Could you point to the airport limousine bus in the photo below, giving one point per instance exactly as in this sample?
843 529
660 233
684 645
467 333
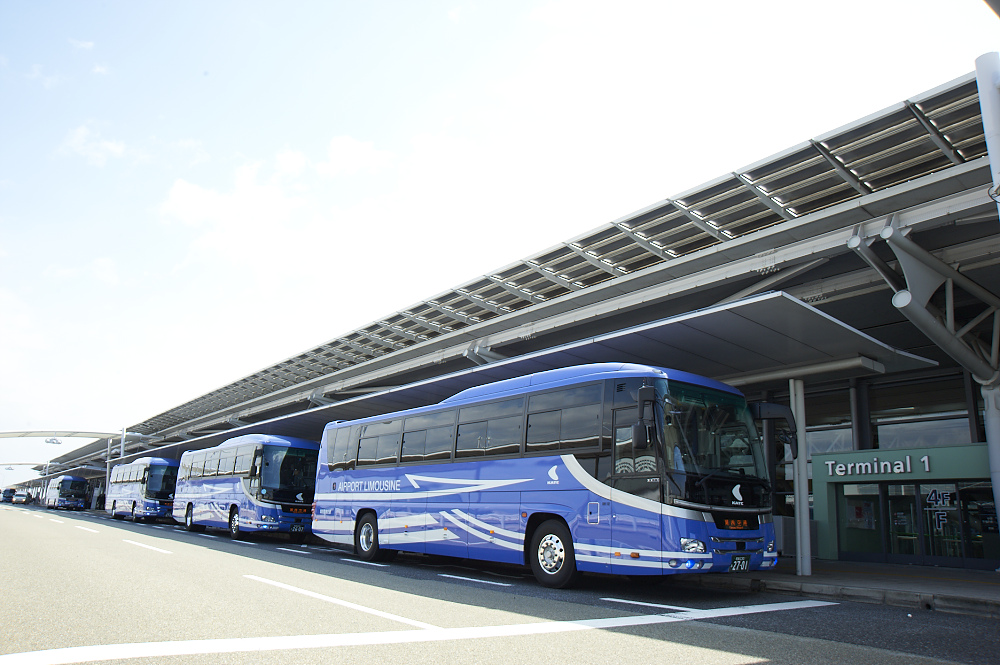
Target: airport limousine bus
143 489
250 483
610 468
68 492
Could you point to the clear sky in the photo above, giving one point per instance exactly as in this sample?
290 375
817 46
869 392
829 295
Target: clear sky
192 191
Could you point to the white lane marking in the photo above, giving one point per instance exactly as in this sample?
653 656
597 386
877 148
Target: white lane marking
653 605
52 519
344 603
207 535
148 547
243 542
83 528
472 579
366 563
41 517
89 654
286 549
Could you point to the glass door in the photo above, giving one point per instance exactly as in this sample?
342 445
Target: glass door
979 515
942 523
904 524
860 522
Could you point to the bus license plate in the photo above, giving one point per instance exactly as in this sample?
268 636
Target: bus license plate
296 528
740 564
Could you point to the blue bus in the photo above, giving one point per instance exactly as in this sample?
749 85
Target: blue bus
609 468
142 490
250 483
68 492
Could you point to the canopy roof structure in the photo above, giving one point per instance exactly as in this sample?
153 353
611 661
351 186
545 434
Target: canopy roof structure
688 266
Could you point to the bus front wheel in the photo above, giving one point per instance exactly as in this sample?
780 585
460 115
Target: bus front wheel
551 554
234 523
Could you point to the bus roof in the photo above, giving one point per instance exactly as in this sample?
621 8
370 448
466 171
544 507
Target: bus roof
151 461
554 378
270 439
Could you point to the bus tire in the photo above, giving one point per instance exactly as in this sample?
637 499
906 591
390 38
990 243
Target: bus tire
553 561
132 517
234 524
366 539
189 520
114 511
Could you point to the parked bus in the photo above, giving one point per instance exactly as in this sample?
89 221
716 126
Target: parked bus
143 489
609 468
251 483
68 492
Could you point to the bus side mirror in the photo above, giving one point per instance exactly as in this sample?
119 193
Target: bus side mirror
770 411
639 439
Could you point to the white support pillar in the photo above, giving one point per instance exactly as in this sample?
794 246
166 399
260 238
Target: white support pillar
991 416
803 541
988 81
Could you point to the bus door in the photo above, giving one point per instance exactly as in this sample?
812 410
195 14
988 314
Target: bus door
636 496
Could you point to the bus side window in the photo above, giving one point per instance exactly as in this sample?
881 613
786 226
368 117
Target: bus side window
503 436
198 465
543 431
439 443
624 455
337 454
471 440
387 450
581 427
367 450
227 463
244 458
413 446
429 437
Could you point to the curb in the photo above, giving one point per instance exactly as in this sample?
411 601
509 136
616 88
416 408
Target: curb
950 604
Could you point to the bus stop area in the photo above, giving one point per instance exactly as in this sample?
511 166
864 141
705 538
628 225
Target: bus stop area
852 277
920 588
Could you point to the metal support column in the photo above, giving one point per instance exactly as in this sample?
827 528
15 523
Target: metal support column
991 416
988 81
803 542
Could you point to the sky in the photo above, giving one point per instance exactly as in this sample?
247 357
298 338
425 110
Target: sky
191 192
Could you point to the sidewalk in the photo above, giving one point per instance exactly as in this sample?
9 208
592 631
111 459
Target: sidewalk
954 590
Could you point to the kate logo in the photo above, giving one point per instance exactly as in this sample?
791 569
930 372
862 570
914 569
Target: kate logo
739 497
554 476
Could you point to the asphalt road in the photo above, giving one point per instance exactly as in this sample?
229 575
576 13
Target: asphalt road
78 587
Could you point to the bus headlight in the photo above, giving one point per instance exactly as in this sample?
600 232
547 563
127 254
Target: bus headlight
693 546
268 518
770 546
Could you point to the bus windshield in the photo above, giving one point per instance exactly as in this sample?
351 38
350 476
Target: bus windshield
160 482
288 474
76 489
712 448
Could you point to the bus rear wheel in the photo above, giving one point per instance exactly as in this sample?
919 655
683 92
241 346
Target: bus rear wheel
189 521
553 561
234 524
366 540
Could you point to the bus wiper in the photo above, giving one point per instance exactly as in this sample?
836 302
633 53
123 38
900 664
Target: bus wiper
708 475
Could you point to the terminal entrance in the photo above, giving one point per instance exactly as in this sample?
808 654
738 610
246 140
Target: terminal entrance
934 523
